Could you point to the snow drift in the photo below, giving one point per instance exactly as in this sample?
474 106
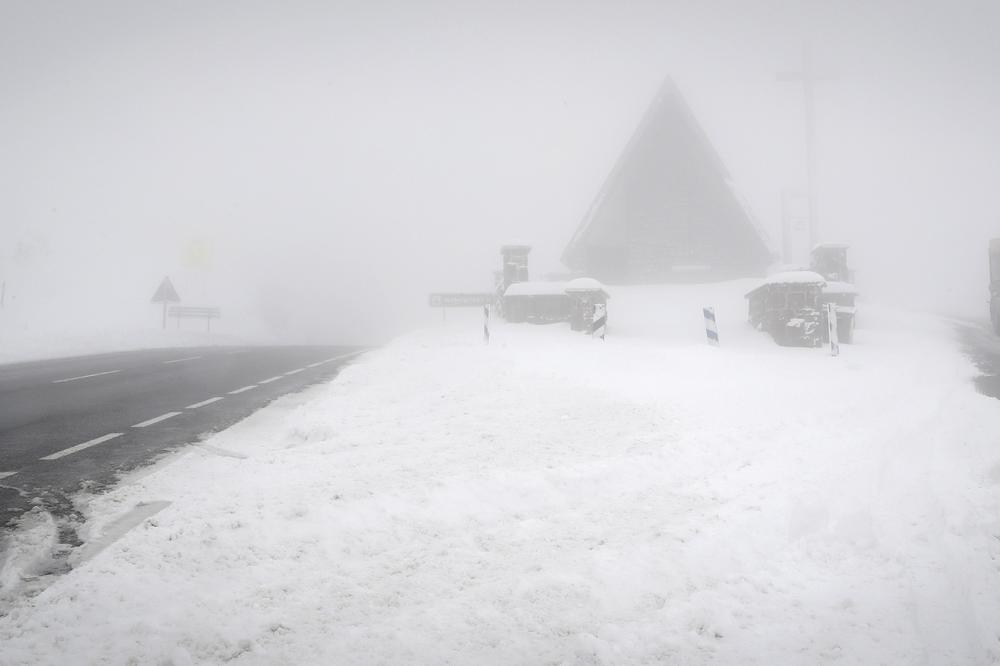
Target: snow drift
554 499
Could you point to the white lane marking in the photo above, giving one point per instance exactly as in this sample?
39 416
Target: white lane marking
73 379
204 402
4 475
270 379
337 358
245 388
81 447
179 360
161 417
292 372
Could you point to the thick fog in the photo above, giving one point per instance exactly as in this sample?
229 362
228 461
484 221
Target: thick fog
316 168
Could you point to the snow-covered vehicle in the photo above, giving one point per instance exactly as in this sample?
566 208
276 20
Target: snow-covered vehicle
786 305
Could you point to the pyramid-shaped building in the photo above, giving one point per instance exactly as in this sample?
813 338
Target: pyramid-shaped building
667 211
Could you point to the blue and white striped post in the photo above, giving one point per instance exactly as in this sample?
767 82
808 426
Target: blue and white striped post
711 330
600 323
486 324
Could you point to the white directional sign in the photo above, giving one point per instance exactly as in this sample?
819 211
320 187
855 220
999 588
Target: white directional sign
460 300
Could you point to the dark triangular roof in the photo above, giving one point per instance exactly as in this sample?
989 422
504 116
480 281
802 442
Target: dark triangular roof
668 202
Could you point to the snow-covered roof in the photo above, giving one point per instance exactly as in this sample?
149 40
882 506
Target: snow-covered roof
536 289
789 277
832 246
785 268
834 287
690 268
585 284
794 277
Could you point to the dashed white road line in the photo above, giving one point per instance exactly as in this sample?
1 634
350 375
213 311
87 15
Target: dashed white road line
204 402
81 447
180 360
161 417
337 358
168 415
96 374
4 475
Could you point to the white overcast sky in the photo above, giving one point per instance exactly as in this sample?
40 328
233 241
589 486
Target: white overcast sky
334 155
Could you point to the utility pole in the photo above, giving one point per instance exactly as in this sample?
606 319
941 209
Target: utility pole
808 77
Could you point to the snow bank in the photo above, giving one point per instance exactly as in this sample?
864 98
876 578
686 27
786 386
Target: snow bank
28 557
554 499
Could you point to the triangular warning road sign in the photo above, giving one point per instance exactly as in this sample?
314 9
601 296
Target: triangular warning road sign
166 293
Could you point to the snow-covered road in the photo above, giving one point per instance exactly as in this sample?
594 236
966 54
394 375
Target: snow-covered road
555 499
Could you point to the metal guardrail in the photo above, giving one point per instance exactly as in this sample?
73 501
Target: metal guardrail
179 312
188 311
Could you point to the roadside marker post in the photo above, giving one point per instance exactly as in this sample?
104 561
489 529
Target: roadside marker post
486 324
600 324
831 323
711 329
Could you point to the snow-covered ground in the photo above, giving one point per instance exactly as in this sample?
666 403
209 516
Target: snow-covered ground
555 499
30 331
33 333
52 307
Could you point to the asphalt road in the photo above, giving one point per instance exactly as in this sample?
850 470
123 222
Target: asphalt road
78 423
983 347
